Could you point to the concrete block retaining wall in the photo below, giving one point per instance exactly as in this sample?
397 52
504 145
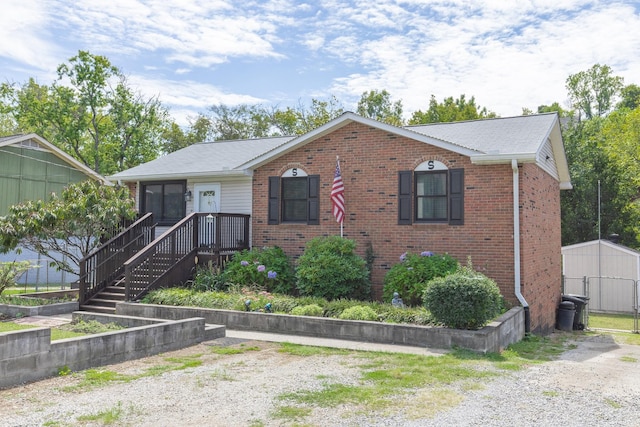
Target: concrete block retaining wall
30 355
507 329
39 310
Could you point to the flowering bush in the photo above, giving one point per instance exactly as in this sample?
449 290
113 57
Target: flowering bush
410 276
267 268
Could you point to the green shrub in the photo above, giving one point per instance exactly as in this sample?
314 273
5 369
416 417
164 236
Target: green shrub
11 271
465 299
359 312
268 268
208 278
409 315
329 268
410 277
307 310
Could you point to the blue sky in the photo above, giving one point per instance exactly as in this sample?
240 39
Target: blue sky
193 54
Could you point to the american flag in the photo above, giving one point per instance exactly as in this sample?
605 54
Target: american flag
337 195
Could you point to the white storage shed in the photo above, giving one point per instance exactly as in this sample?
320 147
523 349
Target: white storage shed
606 272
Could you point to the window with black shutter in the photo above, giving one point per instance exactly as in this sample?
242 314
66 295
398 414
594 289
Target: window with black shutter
294 200
431 194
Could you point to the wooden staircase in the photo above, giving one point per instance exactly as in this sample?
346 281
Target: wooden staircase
133 263
105 301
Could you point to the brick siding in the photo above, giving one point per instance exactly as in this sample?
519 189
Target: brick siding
370 160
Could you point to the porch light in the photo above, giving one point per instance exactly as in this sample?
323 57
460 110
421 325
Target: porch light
187 196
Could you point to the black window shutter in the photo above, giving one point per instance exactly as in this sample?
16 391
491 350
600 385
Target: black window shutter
313 200
274 200
404 197
456 197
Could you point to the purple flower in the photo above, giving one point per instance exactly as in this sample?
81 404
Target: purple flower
403 256
261 268
244 263
426 253
272 274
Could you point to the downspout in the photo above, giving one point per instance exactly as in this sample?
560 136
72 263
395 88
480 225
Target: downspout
516 246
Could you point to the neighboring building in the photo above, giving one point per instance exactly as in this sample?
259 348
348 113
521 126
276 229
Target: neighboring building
486 190
31 168
606 272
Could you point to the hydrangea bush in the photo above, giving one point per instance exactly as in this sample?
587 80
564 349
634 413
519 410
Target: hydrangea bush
409 277
266 268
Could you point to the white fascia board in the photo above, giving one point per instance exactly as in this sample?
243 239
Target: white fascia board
185 175
496 159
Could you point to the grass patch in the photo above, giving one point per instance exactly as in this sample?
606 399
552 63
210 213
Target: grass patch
308 350
629 359
106 417
623 322
613 403
233 350
420 386
10 327
291 413
94 378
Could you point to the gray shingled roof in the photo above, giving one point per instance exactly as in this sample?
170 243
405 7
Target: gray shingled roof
502 136
207 158
513 136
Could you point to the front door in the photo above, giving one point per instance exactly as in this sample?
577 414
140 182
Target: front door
207 199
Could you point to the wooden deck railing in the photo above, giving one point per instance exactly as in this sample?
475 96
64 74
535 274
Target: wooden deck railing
171 258
105 264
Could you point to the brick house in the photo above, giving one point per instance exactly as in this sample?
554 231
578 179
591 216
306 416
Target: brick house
486 190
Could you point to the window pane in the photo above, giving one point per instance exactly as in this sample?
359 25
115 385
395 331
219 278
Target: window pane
173 201
294 199
294 188
433 208
431 184
294 210
153 200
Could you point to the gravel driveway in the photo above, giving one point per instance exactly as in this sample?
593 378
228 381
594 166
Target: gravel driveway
596 383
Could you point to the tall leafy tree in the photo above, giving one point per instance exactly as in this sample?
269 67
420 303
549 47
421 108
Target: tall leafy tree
175 138
302 119
593 92
239 122
91 113
68 226
450 110
630 97
377 105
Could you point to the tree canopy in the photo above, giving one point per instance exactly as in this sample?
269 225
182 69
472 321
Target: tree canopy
90 112
68 226
450 110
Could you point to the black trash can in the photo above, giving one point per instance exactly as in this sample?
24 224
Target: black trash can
566 314
580 302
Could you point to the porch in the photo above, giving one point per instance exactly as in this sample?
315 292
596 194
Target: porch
135 262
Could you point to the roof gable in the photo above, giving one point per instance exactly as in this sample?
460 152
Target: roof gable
37 142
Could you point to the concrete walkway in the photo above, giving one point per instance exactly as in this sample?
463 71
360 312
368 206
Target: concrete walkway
61 319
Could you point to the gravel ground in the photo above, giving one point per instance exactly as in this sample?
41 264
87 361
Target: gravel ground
596 383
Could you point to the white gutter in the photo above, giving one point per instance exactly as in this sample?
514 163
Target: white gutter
516 234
